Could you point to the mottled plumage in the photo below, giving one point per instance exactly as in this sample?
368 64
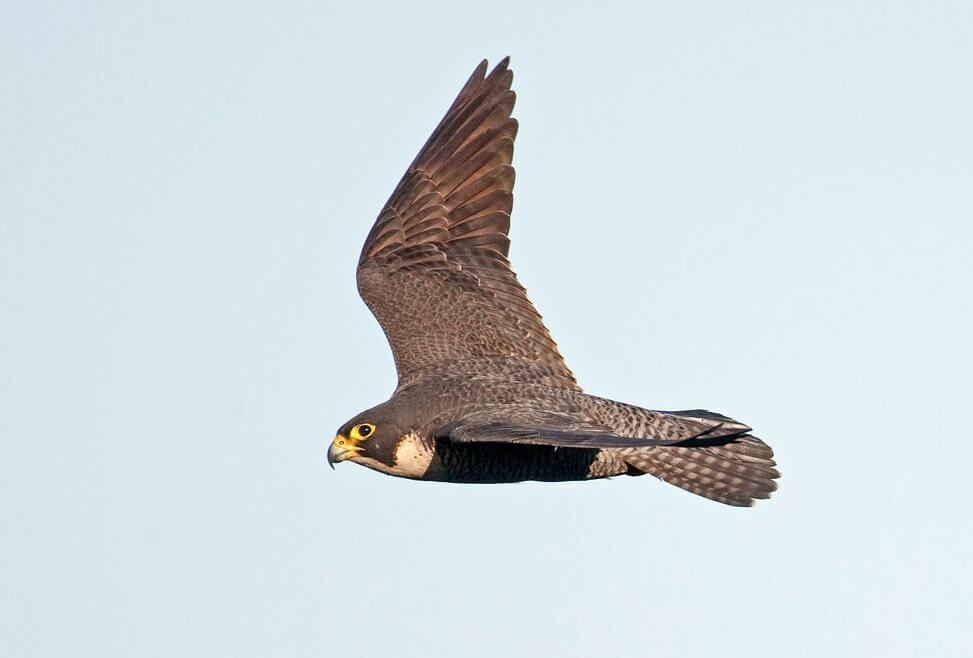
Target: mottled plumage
483 393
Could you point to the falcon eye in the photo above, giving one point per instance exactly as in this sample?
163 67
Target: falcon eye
362 431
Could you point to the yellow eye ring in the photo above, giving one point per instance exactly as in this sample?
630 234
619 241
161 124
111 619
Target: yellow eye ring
362 431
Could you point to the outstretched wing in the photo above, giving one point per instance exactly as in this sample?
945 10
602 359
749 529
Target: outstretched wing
434 267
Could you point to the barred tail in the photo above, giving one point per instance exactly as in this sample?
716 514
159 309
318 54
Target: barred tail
735 473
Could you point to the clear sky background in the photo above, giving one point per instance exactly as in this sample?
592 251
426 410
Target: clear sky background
761 209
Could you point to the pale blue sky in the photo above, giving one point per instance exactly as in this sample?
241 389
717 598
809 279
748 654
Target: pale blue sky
764 210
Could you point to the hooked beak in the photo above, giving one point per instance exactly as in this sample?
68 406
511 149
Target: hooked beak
341 448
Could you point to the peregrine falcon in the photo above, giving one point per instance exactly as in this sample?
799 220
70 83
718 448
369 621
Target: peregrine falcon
483 394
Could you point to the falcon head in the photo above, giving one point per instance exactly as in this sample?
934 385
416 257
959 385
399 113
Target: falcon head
384 440
370 438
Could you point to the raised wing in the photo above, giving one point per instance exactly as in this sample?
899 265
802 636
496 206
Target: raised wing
434 267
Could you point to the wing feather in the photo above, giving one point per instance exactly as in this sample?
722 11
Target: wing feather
434 268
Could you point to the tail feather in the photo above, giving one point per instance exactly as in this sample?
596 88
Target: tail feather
735 473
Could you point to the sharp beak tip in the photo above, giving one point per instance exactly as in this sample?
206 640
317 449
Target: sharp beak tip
336 454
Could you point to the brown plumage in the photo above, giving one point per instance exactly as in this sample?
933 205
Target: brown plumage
483 394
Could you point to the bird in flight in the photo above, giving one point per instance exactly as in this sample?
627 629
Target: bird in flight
483 394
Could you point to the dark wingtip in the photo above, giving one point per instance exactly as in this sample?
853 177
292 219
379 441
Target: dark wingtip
501 74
